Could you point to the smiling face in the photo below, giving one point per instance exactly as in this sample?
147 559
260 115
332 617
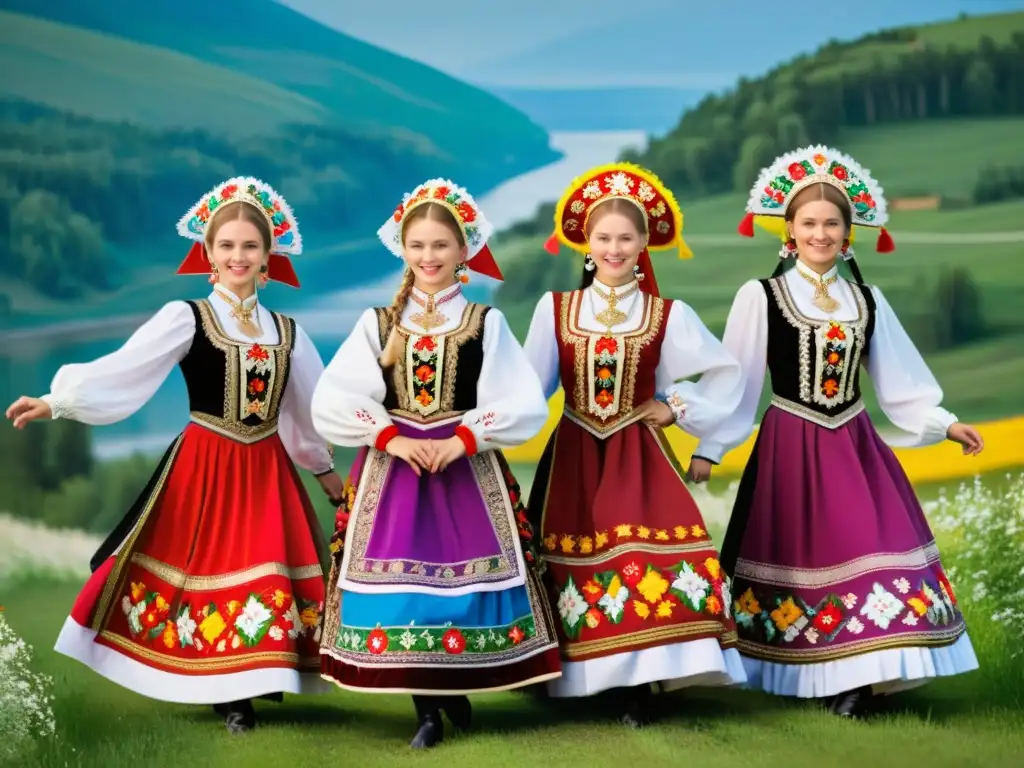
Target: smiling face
433 247
615 237
818 220
238 246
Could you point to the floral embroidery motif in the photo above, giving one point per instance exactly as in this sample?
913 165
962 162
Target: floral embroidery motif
341 517
424 372
523 527
832 350
365 417
258 379
646 591
208 627
441 641
777 190
606 359
586 544
677 405
782 617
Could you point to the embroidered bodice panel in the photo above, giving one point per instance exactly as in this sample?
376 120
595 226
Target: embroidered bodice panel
437 375
815 364
236 387
605 376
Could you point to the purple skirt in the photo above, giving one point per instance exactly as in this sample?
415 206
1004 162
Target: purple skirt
829 548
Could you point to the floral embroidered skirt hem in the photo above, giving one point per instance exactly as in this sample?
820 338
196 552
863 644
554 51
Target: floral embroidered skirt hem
432 589
631 568
837 579
211 589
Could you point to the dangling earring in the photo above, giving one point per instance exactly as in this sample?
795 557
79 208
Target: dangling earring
462 273
588 263
214 275
846 251
637 273
264 277
788 249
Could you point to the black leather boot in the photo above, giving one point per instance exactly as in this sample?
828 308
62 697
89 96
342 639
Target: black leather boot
431 730
459 711
638 706
854 704
239 716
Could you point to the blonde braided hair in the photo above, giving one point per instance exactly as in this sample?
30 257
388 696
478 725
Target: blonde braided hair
389 356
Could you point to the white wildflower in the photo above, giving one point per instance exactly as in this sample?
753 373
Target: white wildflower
26 701
985 527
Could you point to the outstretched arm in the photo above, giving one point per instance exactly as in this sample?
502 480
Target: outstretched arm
907 391
115 386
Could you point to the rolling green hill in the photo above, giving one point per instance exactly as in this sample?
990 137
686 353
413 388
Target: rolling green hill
115 116
110 78
333 76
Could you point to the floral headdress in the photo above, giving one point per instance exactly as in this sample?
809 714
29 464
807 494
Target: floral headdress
475 227
788 174
286 240
620 181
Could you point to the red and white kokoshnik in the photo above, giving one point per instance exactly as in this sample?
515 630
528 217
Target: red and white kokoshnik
475 227
244 189
789 173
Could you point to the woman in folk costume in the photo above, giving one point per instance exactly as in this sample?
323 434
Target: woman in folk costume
839 590
432 591
210 590
630 564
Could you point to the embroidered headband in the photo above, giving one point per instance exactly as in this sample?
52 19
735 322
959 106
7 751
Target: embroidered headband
790 173
285 238
475 227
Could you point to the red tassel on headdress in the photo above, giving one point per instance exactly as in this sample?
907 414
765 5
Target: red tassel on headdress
280 270
885 243
196 262
484 264
746 227
650 283
551 245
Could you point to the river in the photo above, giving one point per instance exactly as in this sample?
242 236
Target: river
29 367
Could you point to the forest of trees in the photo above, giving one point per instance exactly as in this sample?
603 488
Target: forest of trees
721 144
71 186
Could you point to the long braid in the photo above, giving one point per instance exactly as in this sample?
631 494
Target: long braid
394 346
857 276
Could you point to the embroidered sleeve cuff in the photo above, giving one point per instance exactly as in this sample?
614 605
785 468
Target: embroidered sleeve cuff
465 434
675 402
385 436
57 409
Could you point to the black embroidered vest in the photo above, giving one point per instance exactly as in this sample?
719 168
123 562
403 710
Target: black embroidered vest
436 377
815 364
235 387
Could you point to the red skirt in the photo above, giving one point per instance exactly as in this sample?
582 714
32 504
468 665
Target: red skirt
630 564
213 588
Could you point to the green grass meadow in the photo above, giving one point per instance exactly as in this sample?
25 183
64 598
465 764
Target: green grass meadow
951 723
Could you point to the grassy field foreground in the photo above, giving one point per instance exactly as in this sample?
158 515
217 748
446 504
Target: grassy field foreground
951 723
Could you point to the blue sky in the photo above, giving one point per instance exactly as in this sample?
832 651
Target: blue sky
700 44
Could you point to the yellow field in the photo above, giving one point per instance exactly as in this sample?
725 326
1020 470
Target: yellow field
1004 449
